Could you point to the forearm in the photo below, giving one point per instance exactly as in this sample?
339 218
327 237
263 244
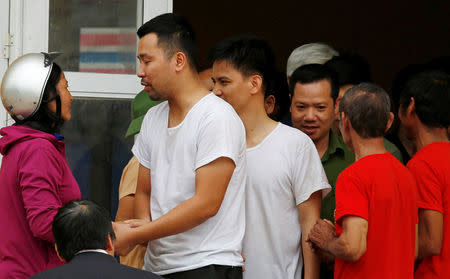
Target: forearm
341 248
142 206
143 194
125 210
311 260
183 217
425 247
40 223
430 233
309 213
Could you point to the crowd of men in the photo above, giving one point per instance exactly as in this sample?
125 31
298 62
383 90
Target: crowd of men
223 186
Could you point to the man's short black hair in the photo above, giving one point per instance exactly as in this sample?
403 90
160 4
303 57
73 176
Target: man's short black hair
81 225
311 73
174 34
351 69
249 54
431 92
367 106
279 88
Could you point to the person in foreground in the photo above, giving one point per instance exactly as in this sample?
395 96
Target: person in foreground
84 240
424 114
191 150
284 175
376 207
35 178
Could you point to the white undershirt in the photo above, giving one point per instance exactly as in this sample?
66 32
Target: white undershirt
92 250
282 172
210 130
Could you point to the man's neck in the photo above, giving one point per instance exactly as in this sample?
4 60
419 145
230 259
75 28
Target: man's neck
322 145
257 124
426 135
363 147
185 94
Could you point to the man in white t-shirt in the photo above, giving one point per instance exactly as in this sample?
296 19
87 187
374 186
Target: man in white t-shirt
284 173
191 183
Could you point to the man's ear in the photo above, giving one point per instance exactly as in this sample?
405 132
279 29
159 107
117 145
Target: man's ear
59 256
390 121
345 122
255 83
336 106
411 109
109 246
269 104
180 61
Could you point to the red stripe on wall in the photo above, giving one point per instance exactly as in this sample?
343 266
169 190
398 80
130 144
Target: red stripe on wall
107 39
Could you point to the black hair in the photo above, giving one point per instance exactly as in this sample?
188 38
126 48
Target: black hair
367 106
312 73
44 119
174 34
279 88
81 225
351 69
248 54
431 92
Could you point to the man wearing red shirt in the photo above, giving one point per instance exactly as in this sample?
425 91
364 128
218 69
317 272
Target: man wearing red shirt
376 208
424 114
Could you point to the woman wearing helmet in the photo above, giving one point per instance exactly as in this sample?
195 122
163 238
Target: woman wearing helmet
35 179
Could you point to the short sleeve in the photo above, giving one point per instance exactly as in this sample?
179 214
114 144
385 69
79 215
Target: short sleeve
141 148
308 173
429 189
128 181
351 197
39 177
221 134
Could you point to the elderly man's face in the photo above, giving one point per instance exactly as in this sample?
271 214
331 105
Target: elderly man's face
312 109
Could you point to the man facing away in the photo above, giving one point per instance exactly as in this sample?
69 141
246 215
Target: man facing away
424 104
84 239
376 208
191 150
285 176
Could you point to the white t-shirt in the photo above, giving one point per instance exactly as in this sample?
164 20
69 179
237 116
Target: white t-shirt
282 172
211 129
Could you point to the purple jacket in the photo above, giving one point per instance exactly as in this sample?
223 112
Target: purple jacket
35 181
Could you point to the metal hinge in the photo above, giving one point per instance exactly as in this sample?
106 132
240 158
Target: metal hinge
6 47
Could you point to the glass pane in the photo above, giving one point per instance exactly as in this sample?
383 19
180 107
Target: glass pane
96 147
95 36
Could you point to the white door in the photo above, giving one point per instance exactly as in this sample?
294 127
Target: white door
4 50
98 41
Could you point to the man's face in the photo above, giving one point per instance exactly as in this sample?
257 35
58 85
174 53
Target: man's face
155 69
342 91
407 124
230 85
312 109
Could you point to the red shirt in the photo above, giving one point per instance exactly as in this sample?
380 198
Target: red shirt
379 189
431 168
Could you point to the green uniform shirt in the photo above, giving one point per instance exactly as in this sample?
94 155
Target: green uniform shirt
337 157
391 148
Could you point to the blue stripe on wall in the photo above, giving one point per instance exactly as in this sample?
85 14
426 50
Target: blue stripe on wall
105 57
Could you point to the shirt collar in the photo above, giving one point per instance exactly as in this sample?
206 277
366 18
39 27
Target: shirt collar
335 146
58 136
92 250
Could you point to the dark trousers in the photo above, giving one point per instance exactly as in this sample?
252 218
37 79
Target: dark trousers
209 272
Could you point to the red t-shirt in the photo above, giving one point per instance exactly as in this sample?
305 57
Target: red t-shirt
431 169
379 189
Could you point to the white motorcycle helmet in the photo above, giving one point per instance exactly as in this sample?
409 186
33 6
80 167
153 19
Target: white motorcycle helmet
24 83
